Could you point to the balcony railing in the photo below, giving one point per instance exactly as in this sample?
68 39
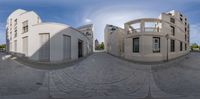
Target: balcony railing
146 29
151 29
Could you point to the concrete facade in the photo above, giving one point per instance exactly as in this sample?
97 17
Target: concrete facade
50 42
150 39
114 40
170 32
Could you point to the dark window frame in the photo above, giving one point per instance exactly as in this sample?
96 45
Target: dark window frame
136 50
25 26
185 46
157 51
172 45
172 30
181 46
172 20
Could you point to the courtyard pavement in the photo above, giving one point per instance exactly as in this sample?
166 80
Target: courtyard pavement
102 76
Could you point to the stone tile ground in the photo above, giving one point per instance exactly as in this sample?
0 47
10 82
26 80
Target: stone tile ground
102 76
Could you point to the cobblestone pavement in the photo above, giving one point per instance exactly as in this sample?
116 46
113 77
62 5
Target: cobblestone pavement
102 76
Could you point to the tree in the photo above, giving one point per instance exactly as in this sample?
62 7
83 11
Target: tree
194 46
3 46
101 46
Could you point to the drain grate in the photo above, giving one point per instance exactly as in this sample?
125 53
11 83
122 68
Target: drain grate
38 83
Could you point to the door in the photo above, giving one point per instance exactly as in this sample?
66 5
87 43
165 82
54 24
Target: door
25 46
80 48
44 52
66 47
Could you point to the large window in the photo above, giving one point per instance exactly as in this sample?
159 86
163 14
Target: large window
173 30
172 45
25 26
181 46
136 45
156 44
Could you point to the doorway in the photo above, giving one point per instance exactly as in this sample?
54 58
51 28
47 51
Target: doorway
66 47
44 52
25 45
80 48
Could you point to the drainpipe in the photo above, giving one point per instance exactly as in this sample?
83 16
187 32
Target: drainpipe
167 37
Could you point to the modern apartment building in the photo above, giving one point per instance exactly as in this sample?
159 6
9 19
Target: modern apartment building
114 40
28 36
152 39
157 39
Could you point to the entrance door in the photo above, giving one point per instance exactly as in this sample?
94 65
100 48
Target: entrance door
67 47
44 53
25 45
80 48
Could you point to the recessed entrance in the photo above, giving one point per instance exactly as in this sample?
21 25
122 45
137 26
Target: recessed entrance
80 48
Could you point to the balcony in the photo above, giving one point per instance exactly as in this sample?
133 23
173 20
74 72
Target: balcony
147 25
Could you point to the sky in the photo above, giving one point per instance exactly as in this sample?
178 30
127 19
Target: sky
101 12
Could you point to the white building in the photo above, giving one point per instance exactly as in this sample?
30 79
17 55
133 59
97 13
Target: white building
152 39
49 42
114 40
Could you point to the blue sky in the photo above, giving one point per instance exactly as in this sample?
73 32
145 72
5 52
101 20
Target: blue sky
101 12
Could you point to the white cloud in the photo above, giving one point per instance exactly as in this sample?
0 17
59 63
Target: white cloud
88 21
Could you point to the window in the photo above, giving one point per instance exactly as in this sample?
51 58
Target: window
15 22
88 34
185 46
172 45
172 20
135 45
181 18
156 44
15 32
181 46
172 30
181 15
185 29
25 26
185 37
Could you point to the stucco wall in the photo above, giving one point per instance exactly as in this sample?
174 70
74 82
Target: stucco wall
56 32
35 28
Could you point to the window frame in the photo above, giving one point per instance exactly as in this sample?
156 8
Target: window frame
25 27
181 46
172 28
153 46
172 20
134 45
172 45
